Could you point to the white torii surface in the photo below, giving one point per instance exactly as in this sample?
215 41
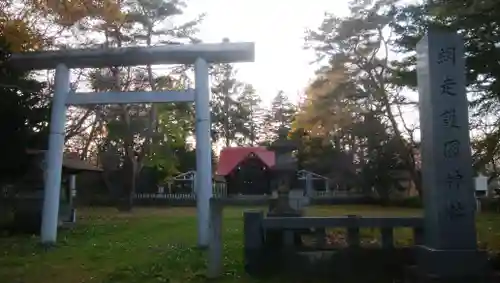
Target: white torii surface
135 56
198 54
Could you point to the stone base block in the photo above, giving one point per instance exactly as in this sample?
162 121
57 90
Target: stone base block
451 265
414 275
256 262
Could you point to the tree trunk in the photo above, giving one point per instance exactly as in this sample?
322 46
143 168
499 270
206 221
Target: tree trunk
227 107
109 184
379 80
383 192
90 138
126 201
410 157
226 120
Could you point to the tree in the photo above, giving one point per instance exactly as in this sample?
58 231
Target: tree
19 29
355 81
24 116
252 115
70 12
135 130
132 135
478 24
383 161
281 113
229 115
169 151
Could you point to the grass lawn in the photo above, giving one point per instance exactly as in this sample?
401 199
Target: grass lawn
158 245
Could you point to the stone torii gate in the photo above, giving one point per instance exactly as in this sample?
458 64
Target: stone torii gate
198 54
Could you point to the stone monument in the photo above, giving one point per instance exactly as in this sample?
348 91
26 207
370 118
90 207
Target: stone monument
450 247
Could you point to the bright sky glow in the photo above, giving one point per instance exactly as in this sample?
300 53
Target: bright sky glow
277 28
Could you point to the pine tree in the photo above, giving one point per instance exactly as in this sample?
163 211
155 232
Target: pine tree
229 113
252 114
281 114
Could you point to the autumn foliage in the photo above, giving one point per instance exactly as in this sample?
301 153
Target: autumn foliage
21 28
68 13
19 36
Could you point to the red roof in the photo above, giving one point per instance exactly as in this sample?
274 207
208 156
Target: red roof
230 157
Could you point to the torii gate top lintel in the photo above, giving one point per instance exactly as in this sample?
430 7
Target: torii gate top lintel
134 56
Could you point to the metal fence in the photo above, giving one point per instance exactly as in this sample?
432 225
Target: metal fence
219 190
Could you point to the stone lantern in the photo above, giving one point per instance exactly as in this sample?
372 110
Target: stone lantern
284 173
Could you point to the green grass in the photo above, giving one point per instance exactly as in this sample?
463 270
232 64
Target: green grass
158 245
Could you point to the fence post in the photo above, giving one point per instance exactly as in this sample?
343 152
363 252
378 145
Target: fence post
320 236
288 238
418 235
353 233
387 237
253 242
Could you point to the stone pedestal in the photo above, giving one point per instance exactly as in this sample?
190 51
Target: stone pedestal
277 239
280 207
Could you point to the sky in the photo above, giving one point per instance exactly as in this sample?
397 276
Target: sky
277 29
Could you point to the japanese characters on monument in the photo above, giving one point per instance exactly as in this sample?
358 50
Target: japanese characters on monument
451 126
446 62
446 156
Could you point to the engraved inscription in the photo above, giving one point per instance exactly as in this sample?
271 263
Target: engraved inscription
448 87
455 209
451 149
454 179
447 54
449 118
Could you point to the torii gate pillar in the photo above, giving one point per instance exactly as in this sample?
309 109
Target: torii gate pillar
203 177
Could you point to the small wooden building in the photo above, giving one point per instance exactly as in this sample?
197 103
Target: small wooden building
27 198
246 170
71 165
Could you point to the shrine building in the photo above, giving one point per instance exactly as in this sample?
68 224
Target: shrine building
246 170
